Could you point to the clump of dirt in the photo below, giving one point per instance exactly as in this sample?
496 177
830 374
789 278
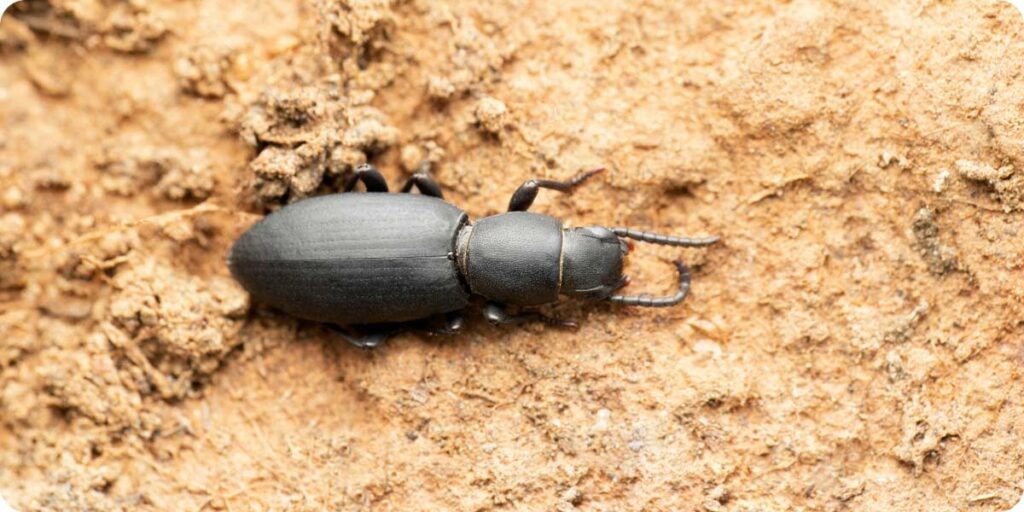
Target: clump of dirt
314 123
491 114
129 27
308 135
355 32
15 36
941 258
1007 185
157 331
925 433
177 328
107 252
203 71
12 227
128 169
853 343
474 62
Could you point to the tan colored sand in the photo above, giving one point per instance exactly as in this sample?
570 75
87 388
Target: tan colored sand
855 343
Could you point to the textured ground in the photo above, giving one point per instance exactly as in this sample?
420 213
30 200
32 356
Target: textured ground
855 343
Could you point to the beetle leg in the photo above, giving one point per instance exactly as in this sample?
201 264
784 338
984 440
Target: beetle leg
527 192
372 179
497 315
453 323
367 341
425 184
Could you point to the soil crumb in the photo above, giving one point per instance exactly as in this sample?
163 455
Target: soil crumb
1007 185
940 258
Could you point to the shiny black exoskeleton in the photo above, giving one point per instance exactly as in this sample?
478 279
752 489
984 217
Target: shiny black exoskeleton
392 261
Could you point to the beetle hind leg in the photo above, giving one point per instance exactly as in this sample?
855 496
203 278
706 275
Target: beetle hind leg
372 179
425 184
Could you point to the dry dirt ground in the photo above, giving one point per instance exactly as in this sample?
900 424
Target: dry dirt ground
855 343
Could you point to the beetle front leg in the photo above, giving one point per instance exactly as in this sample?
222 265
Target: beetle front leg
425 184
372 179
523 197
495 313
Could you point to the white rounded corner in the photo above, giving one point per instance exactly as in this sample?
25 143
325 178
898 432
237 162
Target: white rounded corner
1019 4
1019 507
4 4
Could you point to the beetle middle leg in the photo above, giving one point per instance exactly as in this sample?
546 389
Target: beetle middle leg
523 197
453 323
425 184
372 179
496 314
365 341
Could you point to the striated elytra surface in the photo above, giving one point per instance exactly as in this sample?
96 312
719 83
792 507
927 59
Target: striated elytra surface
354 258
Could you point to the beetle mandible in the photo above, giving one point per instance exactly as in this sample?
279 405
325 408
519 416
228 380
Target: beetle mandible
390 262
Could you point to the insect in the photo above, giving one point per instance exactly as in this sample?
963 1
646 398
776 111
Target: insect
391 262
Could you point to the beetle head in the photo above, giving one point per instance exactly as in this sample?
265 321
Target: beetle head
592 262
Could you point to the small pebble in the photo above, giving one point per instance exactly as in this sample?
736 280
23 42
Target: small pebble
572 495
941 182
491 114
707 347
13 198
412 157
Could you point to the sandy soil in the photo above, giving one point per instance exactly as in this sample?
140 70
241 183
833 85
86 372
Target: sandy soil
855 343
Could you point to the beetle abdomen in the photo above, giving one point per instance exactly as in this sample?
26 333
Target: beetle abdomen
355 258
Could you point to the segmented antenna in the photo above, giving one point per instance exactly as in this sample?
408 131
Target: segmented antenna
654 238
648 301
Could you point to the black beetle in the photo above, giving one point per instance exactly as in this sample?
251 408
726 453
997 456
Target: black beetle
386 261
